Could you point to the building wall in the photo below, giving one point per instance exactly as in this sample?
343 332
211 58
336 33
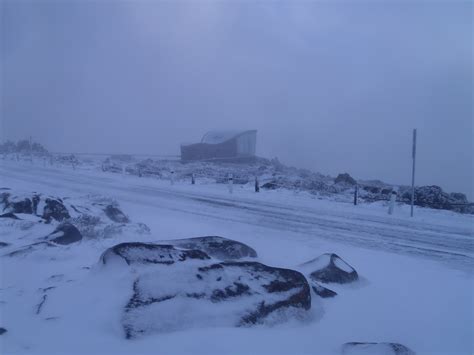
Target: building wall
202 151
242 145
246 143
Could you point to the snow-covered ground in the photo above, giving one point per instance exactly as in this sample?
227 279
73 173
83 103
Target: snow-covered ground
416 284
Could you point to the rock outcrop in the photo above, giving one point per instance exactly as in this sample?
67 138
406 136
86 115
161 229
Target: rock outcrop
216 247
330 268
222 294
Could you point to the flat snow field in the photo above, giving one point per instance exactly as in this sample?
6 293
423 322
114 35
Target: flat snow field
416 284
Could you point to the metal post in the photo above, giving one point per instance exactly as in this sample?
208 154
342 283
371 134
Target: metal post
413 173
356 194
257 184
172 177
193 181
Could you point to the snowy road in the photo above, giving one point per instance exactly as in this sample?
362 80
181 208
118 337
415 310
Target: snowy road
450 243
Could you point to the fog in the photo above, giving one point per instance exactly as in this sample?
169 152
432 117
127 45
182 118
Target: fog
330 86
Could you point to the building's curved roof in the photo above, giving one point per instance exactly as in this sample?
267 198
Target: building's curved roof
216 137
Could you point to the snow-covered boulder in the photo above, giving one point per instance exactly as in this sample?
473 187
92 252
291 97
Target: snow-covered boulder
115 214
375 349
322 291
330 268
216 247
65 234
47 207
94 216
55 209
148 253
185 295
16 204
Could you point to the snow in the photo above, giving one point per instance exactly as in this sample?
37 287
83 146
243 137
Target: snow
341 264
416 288
317 264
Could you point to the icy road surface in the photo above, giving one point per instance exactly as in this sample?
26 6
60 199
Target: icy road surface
439 235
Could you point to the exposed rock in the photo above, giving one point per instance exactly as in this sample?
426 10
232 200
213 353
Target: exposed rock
9 215
3 244
65 234
16 205
55 209
116 214
330 268
147 253
2 330
345 179
375 349
270 185
216 247
322 291
224 294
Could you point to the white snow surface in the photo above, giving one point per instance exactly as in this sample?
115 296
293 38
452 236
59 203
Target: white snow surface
416 284
341 264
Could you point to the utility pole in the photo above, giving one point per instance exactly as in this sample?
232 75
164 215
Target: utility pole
413 173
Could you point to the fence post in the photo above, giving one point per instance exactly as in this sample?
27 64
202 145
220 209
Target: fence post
257 185
193 181
393 197
356 194
231 183
172 177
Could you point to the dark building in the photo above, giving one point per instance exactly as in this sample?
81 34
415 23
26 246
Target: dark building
222 145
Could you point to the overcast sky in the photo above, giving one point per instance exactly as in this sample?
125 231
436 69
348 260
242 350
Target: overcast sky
332 86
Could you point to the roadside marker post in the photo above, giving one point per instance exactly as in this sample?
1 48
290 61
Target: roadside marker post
172 177
231 183
391 206
257 184
193 181
413 173
356 194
